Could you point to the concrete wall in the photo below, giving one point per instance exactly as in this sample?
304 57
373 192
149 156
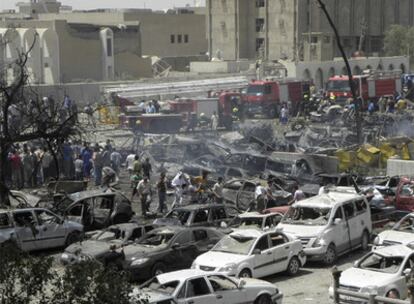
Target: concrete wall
400 167
220 67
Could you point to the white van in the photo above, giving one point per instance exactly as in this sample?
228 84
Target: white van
330 224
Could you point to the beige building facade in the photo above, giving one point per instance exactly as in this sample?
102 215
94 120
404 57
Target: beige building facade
280 29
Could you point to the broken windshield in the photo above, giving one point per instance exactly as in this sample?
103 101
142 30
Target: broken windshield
181 215
299 215
157 238
154 284
235 244
377 262
406 224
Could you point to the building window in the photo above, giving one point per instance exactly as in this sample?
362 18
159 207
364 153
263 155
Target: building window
259 43
179 38
260 24
260 3
327 39
314 39
172 38
46 65
109 47
186 38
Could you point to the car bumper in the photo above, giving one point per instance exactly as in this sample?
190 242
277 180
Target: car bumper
139 273
254 109
315 254
277 298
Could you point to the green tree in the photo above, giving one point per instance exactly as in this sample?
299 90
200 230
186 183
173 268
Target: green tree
399 41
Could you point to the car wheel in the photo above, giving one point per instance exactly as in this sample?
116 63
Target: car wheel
330 255
245 273
294 266
365 241
263 299
393 294
73 237
159 268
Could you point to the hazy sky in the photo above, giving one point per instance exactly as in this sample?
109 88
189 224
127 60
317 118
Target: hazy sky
90 4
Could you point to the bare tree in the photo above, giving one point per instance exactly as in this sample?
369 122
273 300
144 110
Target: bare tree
25 117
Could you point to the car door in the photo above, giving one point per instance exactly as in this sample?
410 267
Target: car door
26 229
102 210
201 217
52 232
353 223
340 233
198 291
202 241
246 195
282 251
226 290
231 190
263 264
183 250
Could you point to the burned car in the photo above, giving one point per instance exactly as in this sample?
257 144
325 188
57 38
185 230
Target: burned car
98 242
199 215
166 249
95 209
240 193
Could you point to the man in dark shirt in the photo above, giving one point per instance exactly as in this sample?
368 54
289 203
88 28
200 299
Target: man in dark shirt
114 258
162 193
146 168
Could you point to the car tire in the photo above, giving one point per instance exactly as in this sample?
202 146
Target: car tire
293 266
157 269
263 299
73 237
330 255
245 273
393 294
365 241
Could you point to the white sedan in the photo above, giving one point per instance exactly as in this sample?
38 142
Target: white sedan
253 253
401 233
199 287
382 271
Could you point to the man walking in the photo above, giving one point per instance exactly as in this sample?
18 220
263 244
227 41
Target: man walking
144 193
162 193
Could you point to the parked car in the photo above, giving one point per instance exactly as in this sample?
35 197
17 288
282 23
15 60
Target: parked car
401 233
166 249
249 220
199 215
95 209
252 253
98 243
383 271
240 193
36 228
330 224
198 287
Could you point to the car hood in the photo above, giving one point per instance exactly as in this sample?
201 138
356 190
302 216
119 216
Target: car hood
361 278
219 259
251 282
134 251
397 237
90 248
302 230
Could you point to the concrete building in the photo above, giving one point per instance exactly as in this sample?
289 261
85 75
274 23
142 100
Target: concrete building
64 52
274 30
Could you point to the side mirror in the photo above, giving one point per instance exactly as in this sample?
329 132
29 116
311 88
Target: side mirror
407 272
175 246
356 263
337 221
257 252
241 284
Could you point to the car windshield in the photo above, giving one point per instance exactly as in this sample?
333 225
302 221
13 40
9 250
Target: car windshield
181 215
339 85
380 263
235 244
255 89
154 284
63 204
300 215
110 234
157 238
251 221
406 224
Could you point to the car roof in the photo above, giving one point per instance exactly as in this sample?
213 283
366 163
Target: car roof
394 250
89 193
328 199
255 215
182 275
199 206
169 229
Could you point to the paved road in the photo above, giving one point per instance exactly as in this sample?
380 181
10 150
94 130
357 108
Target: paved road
312 283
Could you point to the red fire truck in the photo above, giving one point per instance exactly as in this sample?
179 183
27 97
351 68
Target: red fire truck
266 96
369 86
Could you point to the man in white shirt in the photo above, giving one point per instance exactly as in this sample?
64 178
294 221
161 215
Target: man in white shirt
130 163
179 183
218 191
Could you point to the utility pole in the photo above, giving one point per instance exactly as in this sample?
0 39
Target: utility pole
356 100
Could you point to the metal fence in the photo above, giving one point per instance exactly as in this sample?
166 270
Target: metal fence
344 296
